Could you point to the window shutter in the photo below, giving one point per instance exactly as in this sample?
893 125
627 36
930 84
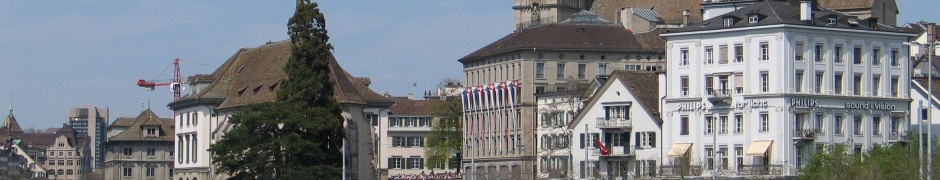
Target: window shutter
625 139
390 163
420 163
739 80
637 139
607 139
652 139
582 140
594 138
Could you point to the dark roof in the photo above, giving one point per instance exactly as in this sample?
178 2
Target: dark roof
123 122
644 85
773 12
563 36
846 4
923 83
670 11
147 118
922 28
652 40
38 140
915 61
11 124
254 75
410 107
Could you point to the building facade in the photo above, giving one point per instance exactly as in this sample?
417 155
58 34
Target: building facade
403 138
140 148
92 121
253 75
755 93
615 135
69 156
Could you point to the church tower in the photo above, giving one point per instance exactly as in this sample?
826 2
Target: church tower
10 123
527 13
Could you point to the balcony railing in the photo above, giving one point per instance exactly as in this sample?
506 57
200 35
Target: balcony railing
614 151
603 122
720 96
409 128
774 169
804 134
680 170
902 136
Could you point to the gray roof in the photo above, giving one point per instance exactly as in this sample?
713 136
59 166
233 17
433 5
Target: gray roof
586 17
648 14
774 12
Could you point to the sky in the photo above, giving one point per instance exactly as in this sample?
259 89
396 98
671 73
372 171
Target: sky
56 55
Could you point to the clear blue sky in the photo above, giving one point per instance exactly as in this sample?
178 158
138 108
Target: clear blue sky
60 54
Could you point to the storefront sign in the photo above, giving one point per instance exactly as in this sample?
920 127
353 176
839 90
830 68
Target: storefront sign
866 105
752 103
804 102
691 106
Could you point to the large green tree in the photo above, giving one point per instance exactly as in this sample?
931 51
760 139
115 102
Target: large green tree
299 135
447 132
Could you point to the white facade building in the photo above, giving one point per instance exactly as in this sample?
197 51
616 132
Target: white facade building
555 113
756 91
624 117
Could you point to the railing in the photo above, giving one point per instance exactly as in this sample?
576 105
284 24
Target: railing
614 151
680 170
716 95
409 128
902 136
603 122
774 169
805 134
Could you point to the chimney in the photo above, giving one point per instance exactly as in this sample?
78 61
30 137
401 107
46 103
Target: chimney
685 17
806 11
624 17
931 33
411 96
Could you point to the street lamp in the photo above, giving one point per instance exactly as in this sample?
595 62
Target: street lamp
719 154
931 46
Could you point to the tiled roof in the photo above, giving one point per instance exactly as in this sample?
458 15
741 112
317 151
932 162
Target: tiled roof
922 81
258 73
11 124
922 28
135 132
669 10
563 36
774 12
409 107
653 41
645 87
38 140
846 4
123 122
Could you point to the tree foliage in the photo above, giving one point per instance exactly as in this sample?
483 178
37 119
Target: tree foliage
896 161
447 131
299 135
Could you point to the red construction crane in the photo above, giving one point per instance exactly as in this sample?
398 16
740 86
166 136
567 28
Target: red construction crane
175 83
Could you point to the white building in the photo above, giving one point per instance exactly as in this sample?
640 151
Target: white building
757 90
623 116
556 109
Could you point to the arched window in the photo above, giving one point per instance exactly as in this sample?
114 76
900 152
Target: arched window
187 147
180 149
68 172
194 178
194 149
60 172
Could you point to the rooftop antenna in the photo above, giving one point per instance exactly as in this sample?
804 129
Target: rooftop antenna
11 103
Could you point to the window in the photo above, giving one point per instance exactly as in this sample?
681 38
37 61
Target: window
819 82
709 87
70 154
539 70
753 18
729 22
764 122
61 162
415 162
60 172
739 83
374 118
709 125
416 141
894 58
645 139
837 83
858 125
875 57
764 51
684 84
51 162
411 122
684 56
739 156
857 82
561 71
724 160
196 115
151 152
764 81
69 172
631 67
738 123
857 55
894 86
395 162
722 124
738 53
151 131
684 125
128 171
895 125
837 52
581 69
832 21
709 157
820 124
179 147
398 141
875 85
128 151
151 172
839 128
601 68
195 151
723 54
617 112
394 122
709 55
69 162
798 52
923 114
798 85
875 125
817 53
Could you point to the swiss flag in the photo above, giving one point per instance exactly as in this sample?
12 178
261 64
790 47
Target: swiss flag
604 150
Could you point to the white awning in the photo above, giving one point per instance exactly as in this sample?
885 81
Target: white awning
679 149
759 148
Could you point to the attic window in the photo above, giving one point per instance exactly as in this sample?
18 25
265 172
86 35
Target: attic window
255 91
240 92
729 22
150 132
753 18
271 88
832 21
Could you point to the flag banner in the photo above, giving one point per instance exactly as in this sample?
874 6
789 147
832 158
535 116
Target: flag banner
601 147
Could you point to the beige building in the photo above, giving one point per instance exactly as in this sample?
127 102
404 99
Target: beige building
527 13
68 156
140 148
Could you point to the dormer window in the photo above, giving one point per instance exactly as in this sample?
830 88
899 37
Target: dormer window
150 132
832 21
753 18
729 22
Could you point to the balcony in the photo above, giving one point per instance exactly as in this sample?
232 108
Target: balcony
902 136
622 123
804 135
720 96
410 128
615 151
